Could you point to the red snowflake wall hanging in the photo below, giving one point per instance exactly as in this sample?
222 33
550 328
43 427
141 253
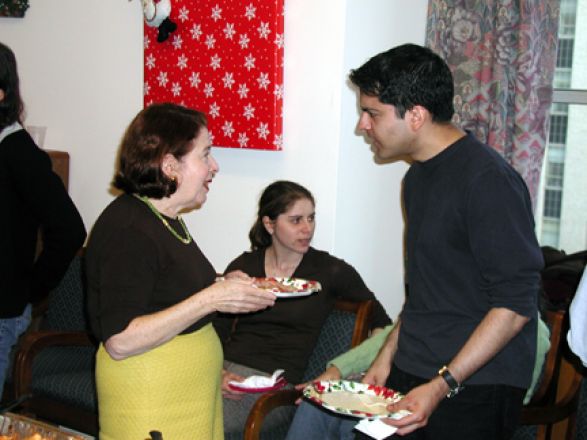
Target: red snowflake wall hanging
226 59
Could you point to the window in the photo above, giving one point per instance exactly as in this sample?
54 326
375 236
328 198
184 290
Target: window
558 129
554 175
561 213
552 203
564 55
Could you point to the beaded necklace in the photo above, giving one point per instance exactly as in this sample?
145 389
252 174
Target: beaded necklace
188 237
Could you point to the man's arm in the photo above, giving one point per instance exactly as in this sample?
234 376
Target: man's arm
493 333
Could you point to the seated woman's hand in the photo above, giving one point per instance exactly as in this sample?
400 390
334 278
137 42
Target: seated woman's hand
228 392
238 296
331 373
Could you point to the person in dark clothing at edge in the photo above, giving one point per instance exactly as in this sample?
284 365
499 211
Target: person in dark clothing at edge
34 197
464 345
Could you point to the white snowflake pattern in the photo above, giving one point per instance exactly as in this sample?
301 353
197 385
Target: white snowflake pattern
214 110
162 78
209 90
250 12
250 62
215 62
244 41
175 89
211 136
150 61
195 79
229 31
249 111
263 80
263 130
228 80
196 31
243 139
243 91
210 41
278 92
227 129
177 42
278 142
216 13
264 30
184 14
182 61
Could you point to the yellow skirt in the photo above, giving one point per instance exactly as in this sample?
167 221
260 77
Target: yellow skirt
174 389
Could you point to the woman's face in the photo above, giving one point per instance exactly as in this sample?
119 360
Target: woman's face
194 173
294 229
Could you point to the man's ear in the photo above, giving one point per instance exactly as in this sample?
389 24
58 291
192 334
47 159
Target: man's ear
417 117
2 94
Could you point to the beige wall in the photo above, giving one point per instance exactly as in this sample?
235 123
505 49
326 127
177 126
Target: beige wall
81 70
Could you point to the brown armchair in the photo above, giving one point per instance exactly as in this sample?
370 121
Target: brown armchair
346 327
553 402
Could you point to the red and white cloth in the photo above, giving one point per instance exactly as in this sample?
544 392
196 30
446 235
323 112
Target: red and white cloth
226 60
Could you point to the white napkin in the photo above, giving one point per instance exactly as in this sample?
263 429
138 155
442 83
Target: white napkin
377 429
259 381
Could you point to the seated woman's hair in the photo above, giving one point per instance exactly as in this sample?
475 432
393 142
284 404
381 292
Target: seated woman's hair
276 199
156 131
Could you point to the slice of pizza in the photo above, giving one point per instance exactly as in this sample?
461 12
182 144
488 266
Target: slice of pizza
274 285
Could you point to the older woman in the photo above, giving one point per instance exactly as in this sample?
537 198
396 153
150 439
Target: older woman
284 336
151 291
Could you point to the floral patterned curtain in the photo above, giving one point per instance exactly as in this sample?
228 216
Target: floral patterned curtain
502 54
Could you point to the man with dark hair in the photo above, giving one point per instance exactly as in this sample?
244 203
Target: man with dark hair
464 347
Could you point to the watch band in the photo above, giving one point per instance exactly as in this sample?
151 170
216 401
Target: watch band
453 385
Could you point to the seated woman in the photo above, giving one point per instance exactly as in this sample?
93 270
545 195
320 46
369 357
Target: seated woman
283 336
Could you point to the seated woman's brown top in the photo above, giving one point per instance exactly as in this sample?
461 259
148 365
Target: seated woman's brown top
284 335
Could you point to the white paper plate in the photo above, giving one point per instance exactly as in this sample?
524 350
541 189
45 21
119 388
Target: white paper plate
354 398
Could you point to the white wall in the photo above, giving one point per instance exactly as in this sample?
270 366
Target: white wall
81 69
369 225
81 77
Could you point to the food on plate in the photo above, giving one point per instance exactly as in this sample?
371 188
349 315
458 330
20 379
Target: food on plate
287 285
35 436
357 402
354 398
274 285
